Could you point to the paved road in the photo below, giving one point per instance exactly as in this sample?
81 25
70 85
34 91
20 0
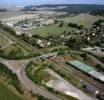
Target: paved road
82 95
73 72
44 56
32 86
5 62
28 83
64 86
25 81
36 88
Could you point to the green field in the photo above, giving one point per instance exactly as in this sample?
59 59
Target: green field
7 94
36 71
3 41
13 52
42 75
82 19
49 30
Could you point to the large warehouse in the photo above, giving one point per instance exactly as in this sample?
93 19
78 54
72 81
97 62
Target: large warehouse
87 69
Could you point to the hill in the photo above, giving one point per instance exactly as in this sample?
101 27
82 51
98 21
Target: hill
86 20
3 10
70 8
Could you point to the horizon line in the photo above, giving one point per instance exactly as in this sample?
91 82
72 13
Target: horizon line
49 4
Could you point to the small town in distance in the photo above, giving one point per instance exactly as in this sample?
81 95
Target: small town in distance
52 51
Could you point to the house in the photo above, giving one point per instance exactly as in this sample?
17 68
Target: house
40 43
10 24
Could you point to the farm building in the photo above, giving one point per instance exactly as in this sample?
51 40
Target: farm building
86 69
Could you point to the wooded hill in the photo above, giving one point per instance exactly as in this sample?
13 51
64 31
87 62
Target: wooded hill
70 8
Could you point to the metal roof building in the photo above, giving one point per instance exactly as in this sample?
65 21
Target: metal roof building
87 69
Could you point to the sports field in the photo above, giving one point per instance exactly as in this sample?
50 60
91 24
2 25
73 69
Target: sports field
7 94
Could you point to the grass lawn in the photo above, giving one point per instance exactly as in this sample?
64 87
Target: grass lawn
83 19
51 29
7 94
55 48
42 75
13 51
37 72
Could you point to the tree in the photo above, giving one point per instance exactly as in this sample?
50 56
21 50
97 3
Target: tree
81 27
61 24
75 42
98 22
84 55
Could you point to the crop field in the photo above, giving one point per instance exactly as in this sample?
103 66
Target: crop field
15 16
9 14
53 29
83 19
7 94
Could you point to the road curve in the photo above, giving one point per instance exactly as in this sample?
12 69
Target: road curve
25 81
34 87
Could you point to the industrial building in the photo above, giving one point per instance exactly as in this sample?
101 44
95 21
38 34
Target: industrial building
86 69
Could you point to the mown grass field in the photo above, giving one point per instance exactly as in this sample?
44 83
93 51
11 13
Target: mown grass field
82 19
53 29
7 94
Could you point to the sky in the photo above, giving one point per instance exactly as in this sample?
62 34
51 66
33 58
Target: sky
39 2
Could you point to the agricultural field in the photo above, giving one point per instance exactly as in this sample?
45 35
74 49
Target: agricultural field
3 42
53 29
13 51
9 14
82 19
15 15
7 94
